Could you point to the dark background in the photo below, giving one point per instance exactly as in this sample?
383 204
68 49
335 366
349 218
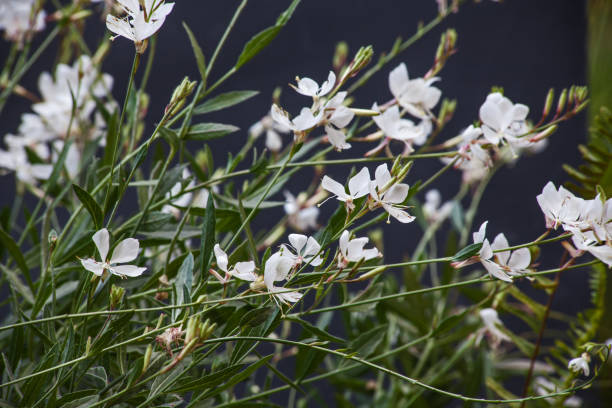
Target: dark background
525 46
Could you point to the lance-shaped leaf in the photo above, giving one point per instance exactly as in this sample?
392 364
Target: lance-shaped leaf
90 204
224 100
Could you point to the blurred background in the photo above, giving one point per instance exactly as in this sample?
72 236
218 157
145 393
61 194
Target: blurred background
524 46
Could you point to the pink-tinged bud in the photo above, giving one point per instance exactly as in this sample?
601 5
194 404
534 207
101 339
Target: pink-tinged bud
340 56
544 134
562 102
548 103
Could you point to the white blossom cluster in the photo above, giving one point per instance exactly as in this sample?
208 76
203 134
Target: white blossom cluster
67 111
19 17
284 263
589 221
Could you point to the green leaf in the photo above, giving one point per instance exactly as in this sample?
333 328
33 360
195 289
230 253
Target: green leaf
263 38
13 249
256 44
366 343
320 333
208 131
225 100
153 221
467 252
17 285
255 317
90 204
184 281
197 52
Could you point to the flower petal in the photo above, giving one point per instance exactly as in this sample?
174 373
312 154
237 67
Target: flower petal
500 242
335 188
127 270
221 257
93 266
101 239
244 271
520 259
125 251
298 241
359 184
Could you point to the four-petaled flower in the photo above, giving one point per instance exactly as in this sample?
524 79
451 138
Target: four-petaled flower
352 250
358 185
417 96
277 268
241 270
140 23
309 87
389 197
508 264
125 251
306 250
503 120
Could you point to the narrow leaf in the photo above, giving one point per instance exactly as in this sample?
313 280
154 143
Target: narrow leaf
90 204
13 249
208 131
224 100
197 52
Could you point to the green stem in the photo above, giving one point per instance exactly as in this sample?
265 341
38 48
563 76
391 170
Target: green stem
121 118
225 35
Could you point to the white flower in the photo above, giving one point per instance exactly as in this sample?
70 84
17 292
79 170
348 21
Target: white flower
139 24
392 197
277 268
304 121
308 87
514 263
273 129
559 206
175 196
337 138
417 96
580 364
301 218
404 130
358 187
242 270
507 265
474 161
336 113
125 251
432 209
491 322
16 159
352 250
503 120
16 19
306 250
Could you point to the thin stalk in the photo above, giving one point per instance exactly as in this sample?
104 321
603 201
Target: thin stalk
225 35
121 118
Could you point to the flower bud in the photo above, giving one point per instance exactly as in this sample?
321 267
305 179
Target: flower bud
544 134
340 55
179 95
548 103
116 295
562 101
147 358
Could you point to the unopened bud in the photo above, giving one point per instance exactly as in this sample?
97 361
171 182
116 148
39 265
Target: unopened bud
572 94
201 299
192 332
179 95
396 165
88 346
544 134
548 103
562 101
581 93
364 112
147 358
361 59
116 295
447 110
276 94
160 320
340 55
374 272
52 238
